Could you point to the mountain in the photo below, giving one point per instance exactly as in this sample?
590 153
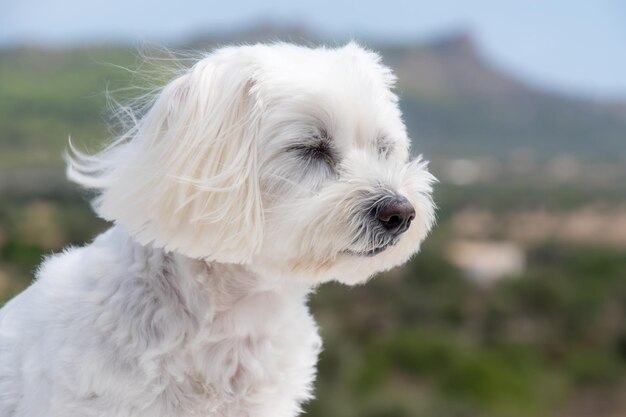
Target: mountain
455 101
459 104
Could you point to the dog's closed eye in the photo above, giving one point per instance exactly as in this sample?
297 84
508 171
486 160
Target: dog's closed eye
317 149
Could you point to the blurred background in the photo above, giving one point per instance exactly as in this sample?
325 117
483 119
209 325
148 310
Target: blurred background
516 304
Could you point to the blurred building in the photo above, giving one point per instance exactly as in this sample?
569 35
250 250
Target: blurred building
485 262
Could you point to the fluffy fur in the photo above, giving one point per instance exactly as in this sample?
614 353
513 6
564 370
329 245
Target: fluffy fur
253 177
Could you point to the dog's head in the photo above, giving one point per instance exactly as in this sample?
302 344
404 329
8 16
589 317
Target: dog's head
292 160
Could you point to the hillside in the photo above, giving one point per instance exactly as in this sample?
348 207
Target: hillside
457 104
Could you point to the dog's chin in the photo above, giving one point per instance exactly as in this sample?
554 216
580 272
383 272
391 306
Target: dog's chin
350 264
370 252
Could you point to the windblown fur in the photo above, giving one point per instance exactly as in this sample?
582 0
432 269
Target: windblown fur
256 175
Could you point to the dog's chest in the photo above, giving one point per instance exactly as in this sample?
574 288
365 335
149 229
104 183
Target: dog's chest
244 364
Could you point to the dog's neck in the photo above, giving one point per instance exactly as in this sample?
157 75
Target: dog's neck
206 289
230 285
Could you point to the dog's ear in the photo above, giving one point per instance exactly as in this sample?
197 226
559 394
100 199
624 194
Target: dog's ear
185 178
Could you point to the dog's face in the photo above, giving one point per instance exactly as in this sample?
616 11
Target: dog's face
341 199
289 159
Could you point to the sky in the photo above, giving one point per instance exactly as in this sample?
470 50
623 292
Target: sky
574 46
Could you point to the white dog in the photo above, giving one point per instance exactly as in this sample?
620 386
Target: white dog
257 174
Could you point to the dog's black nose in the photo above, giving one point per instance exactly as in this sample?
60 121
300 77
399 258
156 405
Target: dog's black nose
395 214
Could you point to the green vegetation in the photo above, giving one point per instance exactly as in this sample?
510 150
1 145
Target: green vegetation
426 338
47 96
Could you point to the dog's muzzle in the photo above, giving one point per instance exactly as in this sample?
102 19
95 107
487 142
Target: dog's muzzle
383 224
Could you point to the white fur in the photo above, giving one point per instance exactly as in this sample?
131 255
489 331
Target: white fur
194 302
